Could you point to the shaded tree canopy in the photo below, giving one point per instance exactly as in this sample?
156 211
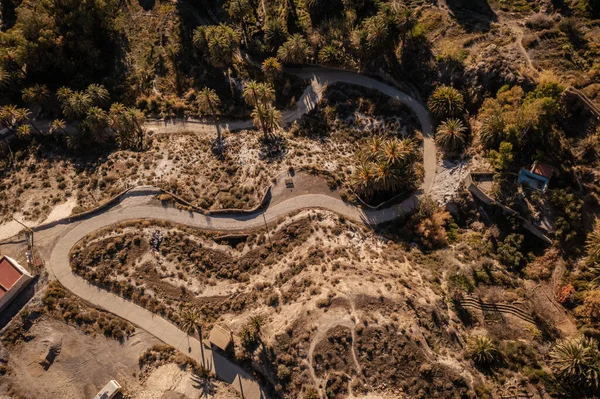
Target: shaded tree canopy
61 41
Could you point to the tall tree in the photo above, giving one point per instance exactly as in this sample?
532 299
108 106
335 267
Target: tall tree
219 42
209 104
255 93
58 124
127 123
275 33
592 243
267 118
191 324
98 94
294 51
272 69
14 117
240 12
446 102
451 135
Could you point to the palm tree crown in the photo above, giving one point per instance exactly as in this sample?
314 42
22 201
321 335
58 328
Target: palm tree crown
267 118
482 350
592 243
191 321
272 69
294 51
451 135
446 102
255 93
577 360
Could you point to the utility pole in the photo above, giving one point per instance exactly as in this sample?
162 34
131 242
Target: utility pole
28 237
267 228
28 234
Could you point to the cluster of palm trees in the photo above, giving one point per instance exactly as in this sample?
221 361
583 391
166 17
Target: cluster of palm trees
93 123
18 120
384 166
448 105
259 95
265 116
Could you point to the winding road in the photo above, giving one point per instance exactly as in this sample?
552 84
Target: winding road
66 234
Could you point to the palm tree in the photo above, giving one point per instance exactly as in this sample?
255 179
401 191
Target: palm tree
592 243
96 122
24 132
240 12
58 124
75 104
374 147
11 116
23 114
360 43
330 55
577 360
258 93
482 350
191 324
4 78
63 94
98 94
377 33
492 123
446 102
275 33
363 179
272 69
451 135
294 51
408 22
387 177
220 42
267 118
208 104
127 123
393 152
35 94
491 132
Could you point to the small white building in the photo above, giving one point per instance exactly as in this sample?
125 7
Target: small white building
109 390
13 278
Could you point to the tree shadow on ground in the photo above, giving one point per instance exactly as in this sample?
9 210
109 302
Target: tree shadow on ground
147 5
205 384
473 15
273 149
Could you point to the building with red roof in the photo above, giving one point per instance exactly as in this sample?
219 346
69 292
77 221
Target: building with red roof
13 278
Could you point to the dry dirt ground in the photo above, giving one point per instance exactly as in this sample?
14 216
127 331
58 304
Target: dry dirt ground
343 309
47 184
81 364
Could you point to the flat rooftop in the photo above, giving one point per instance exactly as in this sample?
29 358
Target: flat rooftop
9 275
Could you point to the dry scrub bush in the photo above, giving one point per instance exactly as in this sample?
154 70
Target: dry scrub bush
539 21
430 222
